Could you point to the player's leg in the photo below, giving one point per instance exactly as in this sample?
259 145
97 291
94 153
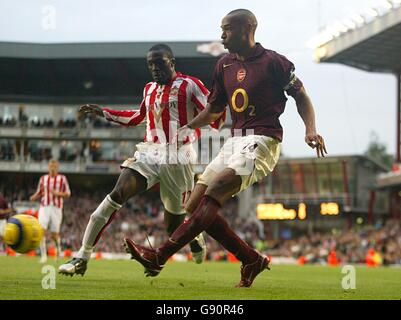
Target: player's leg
219 230
198 245
257 157
43 248
220 189
56 238
176 184
55 226
172 221
129 183
43 218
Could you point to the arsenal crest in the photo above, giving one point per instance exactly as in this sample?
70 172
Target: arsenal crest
241 74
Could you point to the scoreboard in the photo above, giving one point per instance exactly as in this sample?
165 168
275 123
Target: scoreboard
280 211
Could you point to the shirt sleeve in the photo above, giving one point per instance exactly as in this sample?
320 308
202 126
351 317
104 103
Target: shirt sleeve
126 117
199 93
218 94
284 75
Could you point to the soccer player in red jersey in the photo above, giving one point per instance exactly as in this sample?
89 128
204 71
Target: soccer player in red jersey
52 189
252 81
172 99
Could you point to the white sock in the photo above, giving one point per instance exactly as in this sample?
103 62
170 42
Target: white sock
97 221
43 249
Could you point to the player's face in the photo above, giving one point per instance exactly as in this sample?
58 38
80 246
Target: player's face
160 66
53 166
232 35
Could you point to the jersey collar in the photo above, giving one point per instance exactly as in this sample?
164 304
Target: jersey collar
177 75
258 50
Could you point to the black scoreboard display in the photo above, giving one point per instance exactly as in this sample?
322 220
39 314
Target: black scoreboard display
280 211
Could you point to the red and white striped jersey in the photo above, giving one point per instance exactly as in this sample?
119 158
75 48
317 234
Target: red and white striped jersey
47 184
165 107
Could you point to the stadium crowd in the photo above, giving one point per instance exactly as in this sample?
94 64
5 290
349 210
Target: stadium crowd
34 121
142 217
348 246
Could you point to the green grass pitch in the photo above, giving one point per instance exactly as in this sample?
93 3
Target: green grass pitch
21 278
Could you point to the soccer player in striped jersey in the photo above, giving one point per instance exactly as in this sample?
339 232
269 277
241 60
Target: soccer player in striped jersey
253 81
52 189
169 102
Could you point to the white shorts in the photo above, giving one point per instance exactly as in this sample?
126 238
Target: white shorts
176 176
50 218
252 157
3 223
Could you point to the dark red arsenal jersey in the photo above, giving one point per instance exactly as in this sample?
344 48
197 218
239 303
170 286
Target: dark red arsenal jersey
255 90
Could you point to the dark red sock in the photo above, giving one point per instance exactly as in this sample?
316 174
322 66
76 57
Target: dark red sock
199 221
221 232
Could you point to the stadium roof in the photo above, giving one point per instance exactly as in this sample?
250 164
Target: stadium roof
99 72
106 50
389 180
370 43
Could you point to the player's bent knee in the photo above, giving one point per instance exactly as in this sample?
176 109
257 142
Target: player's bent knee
117 195
217 189
224 186
220 198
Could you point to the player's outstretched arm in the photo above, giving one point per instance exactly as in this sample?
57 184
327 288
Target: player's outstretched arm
122 117
307 113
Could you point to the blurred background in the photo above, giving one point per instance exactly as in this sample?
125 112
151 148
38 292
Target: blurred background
57 55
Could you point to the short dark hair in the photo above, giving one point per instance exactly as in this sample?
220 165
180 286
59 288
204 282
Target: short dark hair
163 47
245 15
